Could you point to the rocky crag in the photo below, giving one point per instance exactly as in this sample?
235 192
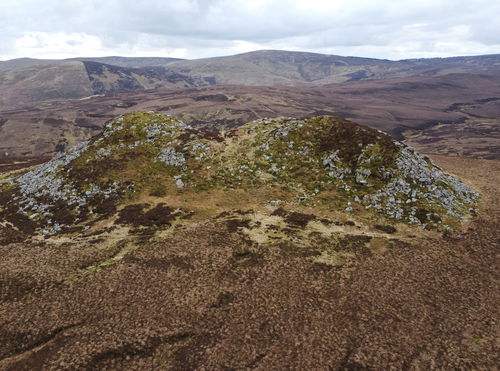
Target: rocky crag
323 162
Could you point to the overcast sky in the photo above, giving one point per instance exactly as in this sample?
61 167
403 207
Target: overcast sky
392 29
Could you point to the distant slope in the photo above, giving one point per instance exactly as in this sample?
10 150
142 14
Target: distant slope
269 67
487 60
34 84
130 62
73 80
106 78
20 63
272 67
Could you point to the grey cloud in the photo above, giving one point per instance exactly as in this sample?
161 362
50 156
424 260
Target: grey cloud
203 26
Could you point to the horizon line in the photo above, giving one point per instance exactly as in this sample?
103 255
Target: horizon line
250 52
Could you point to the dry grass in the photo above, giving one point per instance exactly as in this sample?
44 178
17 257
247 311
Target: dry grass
199 296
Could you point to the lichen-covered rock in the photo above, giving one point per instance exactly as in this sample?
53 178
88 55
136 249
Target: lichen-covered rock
170 157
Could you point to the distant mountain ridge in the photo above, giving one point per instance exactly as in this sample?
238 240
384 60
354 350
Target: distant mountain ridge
271 67
131 62
25 82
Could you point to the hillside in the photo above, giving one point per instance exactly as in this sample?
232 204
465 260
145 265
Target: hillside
130 62
32 85
260 68
274 67
74 80
286 68
283 243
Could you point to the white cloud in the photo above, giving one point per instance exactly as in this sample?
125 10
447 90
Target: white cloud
62 45
56 45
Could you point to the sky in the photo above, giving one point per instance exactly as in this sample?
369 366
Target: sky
387 29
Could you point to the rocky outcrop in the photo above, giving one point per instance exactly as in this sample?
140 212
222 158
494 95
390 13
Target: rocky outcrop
362 168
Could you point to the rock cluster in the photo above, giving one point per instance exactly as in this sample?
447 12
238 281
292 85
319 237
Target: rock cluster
415 180
169 156
333 164
42 188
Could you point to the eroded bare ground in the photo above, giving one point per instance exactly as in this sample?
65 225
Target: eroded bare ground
211 296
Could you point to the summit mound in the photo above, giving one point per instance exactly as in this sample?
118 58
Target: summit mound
323 162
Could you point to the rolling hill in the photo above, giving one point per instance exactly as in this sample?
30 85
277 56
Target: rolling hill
274 67
131 62
41 80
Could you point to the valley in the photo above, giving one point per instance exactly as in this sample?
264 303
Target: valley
397 106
